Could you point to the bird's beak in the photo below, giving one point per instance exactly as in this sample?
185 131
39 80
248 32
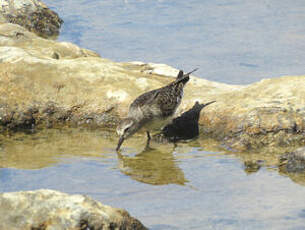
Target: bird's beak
121 140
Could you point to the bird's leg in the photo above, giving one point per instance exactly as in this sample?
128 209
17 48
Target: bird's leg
148 140
148 135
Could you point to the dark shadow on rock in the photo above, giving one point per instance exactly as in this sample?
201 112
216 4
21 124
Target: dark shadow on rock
152 166
184 127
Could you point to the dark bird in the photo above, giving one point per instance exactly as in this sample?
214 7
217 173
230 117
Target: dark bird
185 126
154 109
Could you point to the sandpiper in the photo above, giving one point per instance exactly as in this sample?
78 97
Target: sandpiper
153 110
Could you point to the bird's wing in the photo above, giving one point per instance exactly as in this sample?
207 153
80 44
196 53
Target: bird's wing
144 105
169 99
149 97
161 102
144 99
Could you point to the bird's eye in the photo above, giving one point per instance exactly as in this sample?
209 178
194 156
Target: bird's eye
126 129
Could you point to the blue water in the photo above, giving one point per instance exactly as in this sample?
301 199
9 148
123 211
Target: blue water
231 41
219 195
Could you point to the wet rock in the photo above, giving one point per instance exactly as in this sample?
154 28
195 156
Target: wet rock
293 162
252 166
48 209
33 15
68 85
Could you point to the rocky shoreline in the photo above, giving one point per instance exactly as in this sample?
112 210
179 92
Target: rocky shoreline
45 83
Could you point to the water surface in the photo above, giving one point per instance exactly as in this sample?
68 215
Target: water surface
231 41
193 185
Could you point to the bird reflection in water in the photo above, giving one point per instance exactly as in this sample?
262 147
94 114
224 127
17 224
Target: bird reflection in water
152 166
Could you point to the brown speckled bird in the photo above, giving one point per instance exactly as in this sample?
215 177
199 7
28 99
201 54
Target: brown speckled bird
154 109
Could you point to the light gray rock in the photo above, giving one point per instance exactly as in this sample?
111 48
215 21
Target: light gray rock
33 15
50 210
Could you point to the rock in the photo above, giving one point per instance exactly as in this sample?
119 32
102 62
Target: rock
44 83
48 209
251 166
293 162
32 15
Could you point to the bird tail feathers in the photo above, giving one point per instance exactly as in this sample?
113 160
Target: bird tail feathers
192 71
181 75
184 78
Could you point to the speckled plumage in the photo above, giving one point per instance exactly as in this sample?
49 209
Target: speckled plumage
154 109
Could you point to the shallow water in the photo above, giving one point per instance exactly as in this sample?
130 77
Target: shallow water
195 185
231 41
